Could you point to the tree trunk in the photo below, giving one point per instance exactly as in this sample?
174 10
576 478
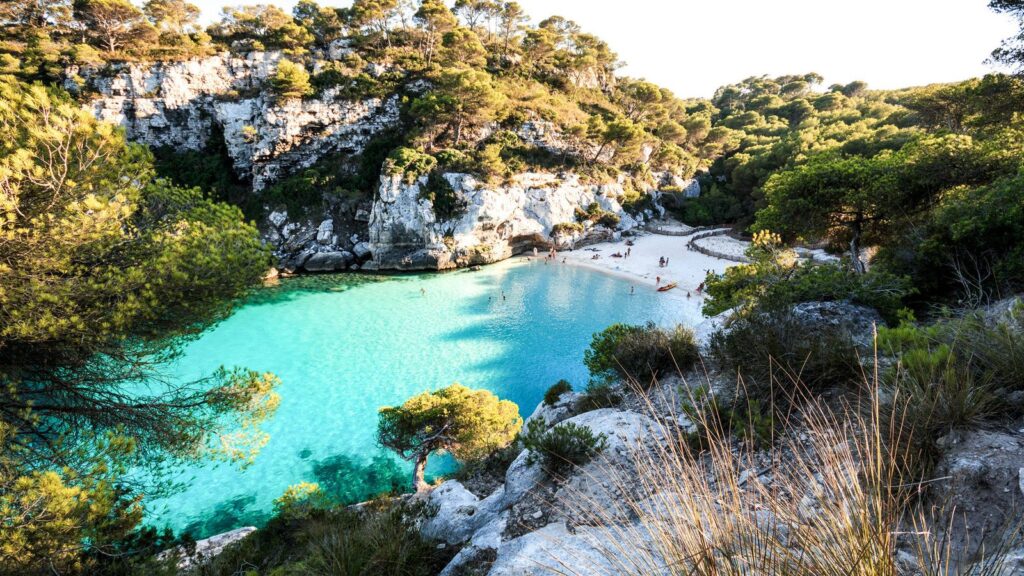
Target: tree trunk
418 472
858 266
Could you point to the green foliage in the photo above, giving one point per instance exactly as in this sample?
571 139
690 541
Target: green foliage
566 228
447 202
468 424
950 375
595 214
290 80
260 27
598 395
872 199
460 99
775 280
562 447
639 354
554 393
969 247
411 164
380 538
1011 51
300 500
773 351
210 169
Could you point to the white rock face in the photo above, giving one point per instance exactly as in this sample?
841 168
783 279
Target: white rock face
207 548
179 104
463 518
499 221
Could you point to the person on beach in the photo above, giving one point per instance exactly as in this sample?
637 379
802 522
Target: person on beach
700 289
661 262
657 280
632 290
423 292
666 261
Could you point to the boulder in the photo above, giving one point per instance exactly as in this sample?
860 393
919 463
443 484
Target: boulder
362 250
328 261
980 477
206 548
582 551
325 232
557 412
858 321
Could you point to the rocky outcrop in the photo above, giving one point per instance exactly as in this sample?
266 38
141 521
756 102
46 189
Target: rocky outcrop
182 105
405 232
206 549
523 525
981 478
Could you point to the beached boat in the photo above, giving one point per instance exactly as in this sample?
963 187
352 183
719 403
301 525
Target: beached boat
668 287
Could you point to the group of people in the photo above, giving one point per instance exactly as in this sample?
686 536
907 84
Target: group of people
662 262
551 255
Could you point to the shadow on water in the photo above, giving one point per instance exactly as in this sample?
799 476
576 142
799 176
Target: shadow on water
344 479
351 479
287 289
228 515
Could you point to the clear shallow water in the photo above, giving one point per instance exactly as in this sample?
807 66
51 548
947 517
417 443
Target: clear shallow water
346 345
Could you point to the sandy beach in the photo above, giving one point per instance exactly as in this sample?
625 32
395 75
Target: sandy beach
686 267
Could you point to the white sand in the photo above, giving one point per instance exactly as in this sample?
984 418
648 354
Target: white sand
686 267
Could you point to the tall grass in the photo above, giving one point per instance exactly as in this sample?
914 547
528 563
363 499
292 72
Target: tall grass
828 497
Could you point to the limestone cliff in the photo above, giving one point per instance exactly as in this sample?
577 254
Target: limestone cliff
498 221
181 104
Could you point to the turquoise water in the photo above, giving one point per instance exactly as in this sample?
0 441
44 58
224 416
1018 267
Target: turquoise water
346 345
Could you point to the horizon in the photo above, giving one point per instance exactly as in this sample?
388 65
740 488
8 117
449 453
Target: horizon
765 40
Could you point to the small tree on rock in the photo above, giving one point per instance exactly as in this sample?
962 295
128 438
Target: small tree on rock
290 80
468 424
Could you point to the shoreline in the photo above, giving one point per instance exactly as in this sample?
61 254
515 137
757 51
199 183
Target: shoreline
686 267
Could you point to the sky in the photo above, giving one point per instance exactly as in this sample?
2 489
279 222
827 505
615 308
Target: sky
694 46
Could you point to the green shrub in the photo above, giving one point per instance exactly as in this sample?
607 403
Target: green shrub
554 393
566 228
380 538
597 215
290 80
775 280
932 393
609 220
992 349
640 353
563 447
598 395
409 163
300 500
773 352
452 160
